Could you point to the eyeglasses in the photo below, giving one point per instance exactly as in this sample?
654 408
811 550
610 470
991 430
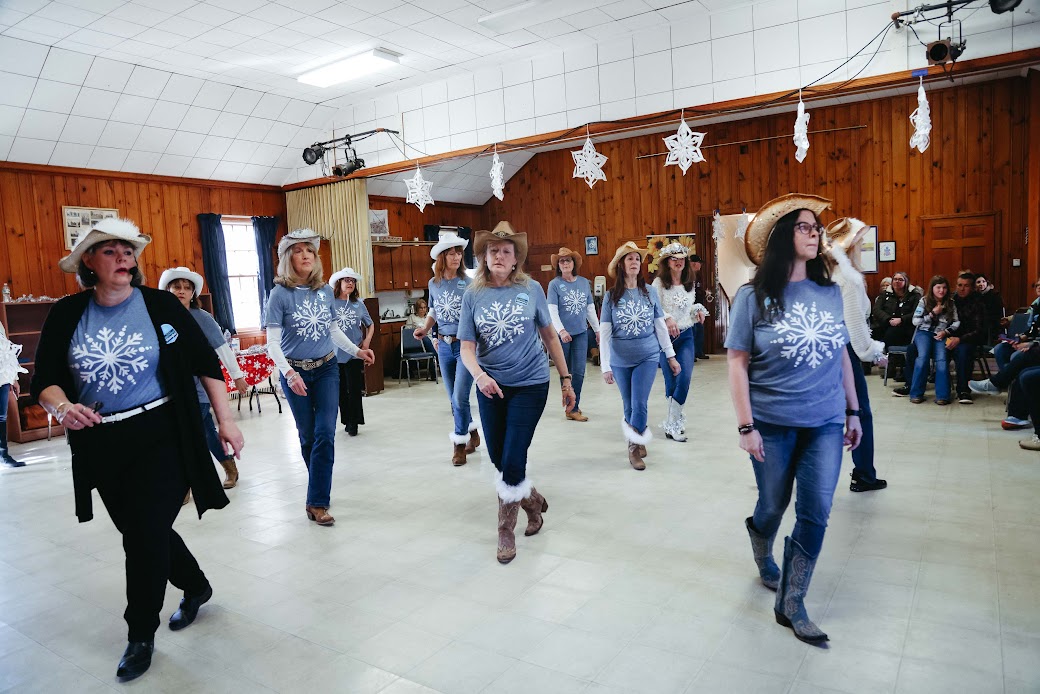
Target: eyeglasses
806 228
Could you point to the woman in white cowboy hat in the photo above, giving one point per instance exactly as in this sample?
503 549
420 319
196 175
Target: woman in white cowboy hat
301 338
447 286
356 323
572 310
115 366
794 394
186 285
676 288
632 334
843 251
504 323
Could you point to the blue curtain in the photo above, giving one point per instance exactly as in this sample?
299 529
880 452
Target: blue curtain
214 260
265 229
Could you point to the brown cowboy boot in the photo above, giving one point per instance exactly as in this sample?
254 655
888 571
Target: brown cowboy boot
634 459
576 415
231 471
507 513
474 441
642 450
320 515
534 505
458 458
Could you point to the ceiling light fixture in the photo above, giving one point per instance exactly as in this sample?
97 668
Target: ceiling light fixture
351 68
533 12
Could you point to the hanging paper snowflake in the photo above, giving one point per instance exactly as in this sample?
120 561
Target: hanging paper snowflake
497 181
801 133
742 224
419 190
718 232
684 148
921 119
588 163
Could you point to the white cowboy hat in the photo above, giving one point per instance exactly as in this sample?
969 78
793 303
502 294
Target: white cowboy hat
181 273
445 242
673 250
298 236
346 273
111 229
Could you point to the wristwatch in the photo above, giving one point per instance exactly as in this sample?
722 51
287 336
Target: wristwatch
851 413
746 428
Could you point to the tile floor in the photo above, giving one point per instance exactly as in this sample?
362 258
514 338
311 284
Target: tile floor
639 582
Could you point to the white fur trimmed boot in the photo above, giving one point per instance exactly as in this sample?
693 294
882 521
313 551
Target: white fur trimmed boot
474 438
636 445
509 500
675 424
458 442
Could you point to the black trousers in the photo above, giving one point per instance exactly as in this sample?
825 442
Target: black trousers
351 386
142 483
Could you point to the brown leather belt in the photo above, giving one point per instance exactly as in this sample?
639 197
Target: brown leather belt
311 364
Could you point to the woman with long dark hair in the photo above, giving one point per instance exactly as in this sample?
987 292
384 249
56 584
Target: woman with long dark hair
356 323
632 334
791 380
572 310
936 319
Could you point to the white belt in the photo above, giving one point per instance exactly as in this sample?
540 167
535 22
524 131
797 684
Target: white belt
127 414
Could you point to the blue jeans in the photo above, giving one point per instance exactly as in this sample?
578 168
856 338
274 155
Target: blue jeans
4 395
929 348
216 448
457 382
1019 402
678 387
964 358
315 415
1029 385
1003 352
863 456
1018 362
813 458
576 353
509 423
635 383
698 339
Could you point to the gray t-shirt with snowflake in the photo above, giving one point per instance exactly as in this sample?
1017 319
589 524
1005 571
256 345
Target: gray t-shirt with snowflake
115 354
214 337
632 336
573 300
795 373
305 317
351 316
446 302
504 323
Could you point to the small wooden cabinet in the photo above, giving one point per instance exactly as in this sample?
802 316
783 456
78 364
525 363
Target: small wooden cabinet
401 266
22 323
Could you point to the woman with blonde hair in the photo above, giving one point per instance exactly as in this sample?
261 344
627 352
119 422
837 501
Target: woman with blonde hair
301 338
504 324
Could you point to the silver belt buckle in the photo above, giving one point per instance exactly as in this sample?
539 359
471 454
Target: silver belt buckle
448 339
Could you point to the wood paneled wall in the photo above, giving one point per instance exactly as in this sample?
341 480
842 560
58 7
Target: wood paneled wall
407 221
31 198
976 163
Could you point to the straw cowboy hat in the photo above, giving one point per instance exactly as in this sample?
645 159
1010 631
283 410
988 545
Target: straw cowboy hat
111 229
181 273
503 231
565 253
623 250
846 232
298 236
346 273
446 241
674 250
761 226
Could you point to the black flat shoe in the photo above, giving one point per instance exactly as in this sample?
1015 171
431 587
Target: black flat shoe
189 609
352 429
859 485
136 660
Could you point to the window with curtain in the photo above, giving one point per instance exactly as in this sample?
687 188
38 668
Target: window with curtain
243 268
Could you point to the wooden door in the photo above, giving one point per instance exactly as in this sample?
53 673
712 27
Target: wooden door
383 268
422 266
959 242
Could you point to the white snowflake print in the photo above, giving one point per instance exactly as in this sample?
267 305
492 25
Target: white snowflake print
111 359
681 303
346 317
312 320
633 317
448 307
575 301
808 335
500 322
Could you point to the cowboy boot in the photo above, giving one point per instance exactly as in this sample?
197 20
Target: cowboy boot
636 443
231 472
634 459
762 548
576 415
673 426
507 513
534 505
790 597
458 458
474 439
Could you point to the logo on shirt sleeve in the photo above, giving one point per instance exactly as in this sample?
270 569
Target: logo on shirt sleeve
169 333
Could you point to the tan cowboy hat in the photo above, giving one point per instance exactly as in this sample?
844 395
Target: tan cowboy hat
503 231
623 250
846 232
761 226
181 273
111 229
565 253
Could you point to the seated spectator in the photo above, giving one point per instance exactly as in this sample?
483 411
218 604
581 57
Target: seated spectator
886 288
993 306
1029 382
1006 346
1027 355
966 339
895 312
935 318
1017 403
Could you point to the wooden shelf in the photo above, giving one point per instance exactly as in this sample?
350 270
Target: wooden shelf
26 421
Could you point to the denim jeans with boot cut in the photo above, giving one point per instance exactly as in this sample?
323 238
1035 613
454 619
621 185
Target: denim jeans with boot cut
928 348
459 383
315 415
576 354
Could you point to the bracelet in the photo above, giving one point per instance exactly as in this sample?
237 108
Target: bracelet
58 414
849 412
568 377
477 379
746 428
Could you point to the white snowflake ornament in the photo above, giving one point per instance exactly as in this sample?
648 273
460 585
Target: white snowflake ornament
801 132
497 177
588 163
742 224
684 148
419 190
718 231
921 119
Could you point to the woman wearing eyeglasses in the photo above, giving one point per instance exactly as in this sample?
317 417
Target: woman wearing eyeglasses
792 385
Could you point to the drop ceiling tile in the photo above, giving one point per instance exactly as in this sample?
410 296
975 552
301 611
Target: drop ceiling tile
118 27
35 29
16 90
10 119
204 13
296 112
66 66
227 171
240 151
255 129
214 95
83 130
70 154
54 96
95 103
243 101
167 114
266 155
22 57
171 165
141 162
160 37
171 6
30 151
42 125
132 109
279 15
107 158
138 14
250 26
199 120
119 134
181 26
93 38
154 139
99 6
185 144
269 106
200 168
214 147
147 82
252 173
239 6
276 177
281 134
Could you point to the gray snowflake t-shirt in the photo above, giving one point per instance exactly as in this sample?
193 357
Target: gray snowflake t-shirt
573 300
115 355
632 336
446 302
351 316
504 323
795 373
214 337
305 317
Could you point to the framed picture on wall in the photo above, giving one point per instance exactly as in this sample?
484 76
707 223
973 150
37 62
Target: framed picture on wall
868 258
887 252
78 220
591 245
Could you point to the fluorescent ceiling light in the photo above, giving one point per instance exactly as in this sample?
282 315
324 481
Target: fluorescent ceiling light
533 12
351 68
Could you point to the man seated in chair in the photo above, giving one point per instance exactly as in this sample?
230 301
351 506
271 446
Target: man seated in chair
969 336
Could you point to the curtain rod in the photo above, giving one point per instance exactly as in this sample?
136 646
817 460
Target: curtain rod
758 139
